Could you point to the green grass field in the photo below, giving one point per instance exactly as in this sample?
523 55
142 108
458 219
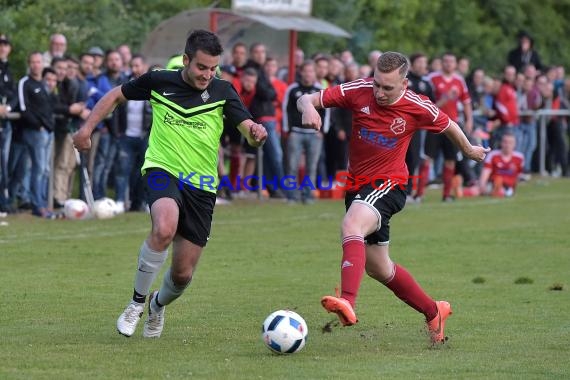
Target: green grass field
64 283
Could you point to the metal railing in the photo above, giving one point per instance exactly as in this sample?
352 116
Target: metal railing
540 116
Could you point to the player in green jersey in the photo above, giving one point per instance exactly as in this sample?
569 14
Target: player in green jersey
180 168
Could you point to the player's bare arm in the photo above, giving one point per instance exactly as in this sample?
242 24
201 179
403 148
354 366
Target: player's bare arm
106 105
456 135
253 132
307 105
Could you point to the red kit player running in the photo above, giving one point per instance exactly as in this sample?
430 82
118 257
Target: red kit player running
385 116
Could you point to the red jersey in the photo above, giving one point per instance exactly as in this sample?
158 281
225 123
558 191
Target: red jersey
507 168
280 88
506 105
453 89
381 134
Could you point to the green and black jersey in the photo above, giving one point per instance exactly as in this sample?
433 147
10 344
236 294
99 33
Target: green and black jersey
186 124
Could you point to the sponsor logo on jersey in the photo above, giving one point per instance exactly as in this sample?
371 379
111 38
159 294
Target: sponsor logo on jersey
377 138
175 121
366 110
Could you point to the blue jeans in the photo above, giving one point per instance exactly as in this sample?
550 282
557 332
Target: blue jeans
38 143
130 159
311 144
528 143
5 141
104 159
272 154
20 173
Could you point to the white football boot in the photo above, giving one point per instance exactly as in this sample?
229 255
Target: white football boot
155 321
127 322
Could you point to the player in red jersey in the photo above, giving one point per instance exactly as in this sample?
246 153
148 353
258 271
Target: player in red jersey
449 89
502 169
385 116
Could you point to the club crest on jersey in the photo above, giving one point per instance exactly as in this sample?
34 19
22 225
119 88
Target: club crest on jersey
398 126
205 96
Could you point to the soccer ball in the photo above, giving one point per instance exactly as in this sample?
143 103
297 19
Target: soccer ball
284 332
75 209
105 208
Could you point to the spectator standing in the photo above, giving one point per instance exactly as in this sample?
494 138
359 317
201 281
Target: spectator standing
419 85
109 133
263 111
37 123
70 104
302 140
134 119
8 102
126 55
524 53
449 89
506 105
57 48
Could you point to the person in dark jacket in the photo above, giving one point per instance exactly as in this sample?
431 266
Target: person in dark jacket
70 104
37 123
263 112
134 119
524 53
8 102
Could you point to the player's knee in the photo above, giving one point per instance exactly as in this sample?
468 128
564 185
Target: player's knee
163 233
350 226
181 278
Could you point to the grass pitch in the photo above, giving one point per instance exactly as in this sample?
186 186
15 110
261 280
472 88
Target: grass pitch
64 283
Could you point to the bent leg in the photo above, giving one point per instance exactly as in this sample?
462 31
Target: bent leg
380 267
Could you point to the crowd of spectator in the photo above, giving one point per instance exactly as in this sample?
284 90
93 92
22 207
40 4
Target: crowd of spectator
40 111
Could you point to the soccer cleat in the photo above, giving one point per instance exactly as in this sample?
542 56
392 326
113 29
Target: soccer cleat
127 322
155 321
342 308
437 325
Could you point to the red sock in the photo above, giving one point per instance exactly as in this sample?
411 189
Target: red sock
408 290
352 267
424 178
448 174
234 170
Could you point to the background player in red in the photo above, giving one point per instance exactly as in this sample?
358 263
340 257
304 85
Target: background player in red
502 169
449 88
385 116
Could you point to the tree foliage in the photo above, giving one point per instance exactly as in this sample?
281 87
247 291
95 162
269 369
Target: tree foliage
483 30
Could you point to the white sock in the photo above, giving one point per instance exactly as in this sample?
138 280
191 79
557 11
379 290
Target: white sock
149 265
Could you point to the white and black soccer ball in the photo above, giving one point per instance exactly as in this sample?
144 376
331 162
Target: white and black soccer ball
76 209
284 332
105 208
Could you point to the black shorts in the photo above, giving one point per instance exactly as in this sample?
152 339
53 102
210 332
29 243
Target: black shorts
385 201
436 142
196 206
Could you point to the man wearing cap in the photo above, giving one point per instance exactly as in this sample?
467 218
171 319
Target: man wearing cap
8 101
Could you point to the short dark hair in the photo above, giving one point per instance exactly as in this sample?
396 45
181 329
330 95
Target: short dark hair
307 62
392 60
48 70
203 40
56 60
250 72
414 57
139 56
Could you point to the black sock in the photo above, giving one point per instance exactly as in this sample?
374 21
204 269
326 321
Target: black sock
138 297
156 300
